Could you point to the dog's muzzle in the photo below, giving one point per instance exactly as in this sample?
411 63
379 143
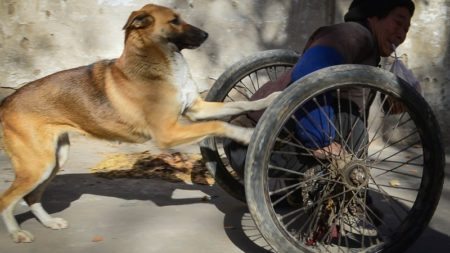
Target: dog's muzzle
191 38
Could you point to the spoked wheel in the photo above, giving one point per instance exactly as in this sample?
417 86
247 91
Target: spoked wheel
239 83
377 194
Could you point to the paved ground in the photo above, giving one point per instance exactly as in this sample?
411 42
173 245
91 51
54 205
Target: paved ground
148 215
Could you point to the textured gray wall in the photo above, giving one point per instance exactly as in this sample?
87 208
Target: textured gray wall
39 37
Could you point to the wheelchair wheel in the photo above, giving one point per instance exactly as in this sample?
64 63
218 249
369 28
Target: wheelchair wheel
240 82
377 195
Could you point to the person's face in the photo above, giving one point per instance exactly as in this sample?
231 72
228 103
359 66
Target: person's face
391 29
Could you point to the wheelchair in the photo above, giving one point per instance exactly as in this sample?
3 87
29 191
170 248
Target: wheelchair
377 195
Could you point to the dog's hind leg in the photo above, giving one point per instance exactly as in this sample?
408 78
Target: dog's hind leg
33 199
34 159
201 109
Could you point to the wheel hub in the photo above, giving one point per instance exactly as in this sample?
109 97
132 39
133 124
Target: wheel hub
355 174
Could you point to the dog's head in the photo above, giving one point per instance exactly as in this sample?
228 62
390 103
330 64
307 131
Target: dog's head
158 24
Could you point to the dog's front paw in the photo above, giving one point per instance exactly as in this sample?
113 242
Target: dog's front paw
21 236
239 134
245 134
56 223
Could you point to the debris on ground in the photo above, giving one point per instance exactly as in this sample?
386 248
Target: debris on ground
97 238
173 167
394 183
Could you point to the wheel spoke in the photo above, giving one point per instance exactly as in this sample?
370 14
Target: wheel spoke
389 198
397 167
395 172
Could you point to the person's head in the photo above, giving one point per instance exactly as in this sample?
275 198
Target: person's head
389 20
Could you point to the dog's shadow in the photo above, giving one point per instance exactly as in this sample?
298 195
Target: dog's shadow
68 188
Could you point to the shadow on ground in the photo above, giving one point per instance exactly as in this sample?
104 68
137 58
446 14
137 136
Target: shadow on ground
237 224
68 188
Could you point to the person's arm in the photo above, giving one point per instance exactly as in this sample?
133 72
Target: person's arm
329 46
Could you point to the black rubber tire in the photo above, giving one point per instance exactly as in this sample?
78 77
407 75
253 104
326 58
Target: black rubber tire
268 216
223 173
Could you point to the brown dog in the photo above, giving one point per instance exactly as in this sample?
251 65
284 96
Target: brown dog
139 96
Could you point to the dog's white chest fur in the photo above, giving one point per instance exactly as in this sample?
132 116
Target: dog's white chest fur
187 89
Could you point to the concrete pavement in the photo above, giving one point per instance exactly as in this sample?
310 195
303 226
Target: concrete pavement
151 215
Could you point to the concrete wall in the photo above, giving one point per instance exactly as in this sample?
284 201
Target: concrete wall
39 37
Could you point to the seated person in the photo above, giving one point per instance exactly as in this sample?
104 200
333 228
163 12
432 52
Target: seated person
372 29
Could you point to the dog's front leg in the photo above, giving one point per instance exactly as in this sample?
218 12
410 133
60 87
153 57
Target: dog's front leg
169 135
201 109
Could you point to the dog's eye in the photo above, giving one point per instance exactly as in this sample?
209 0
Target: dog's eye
175 21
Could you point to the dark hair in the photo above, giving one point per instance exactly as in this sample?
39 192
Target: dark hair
359 10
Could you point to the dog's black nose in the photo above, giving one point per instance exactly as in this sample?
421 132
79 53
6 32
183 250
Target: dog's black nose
205 35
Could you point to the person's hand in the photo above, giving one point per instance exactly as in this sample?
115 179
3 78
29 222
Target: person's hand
334 149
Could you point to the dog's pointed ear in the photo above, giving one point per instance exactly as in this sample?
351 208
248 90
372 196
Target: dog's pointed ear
138 19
